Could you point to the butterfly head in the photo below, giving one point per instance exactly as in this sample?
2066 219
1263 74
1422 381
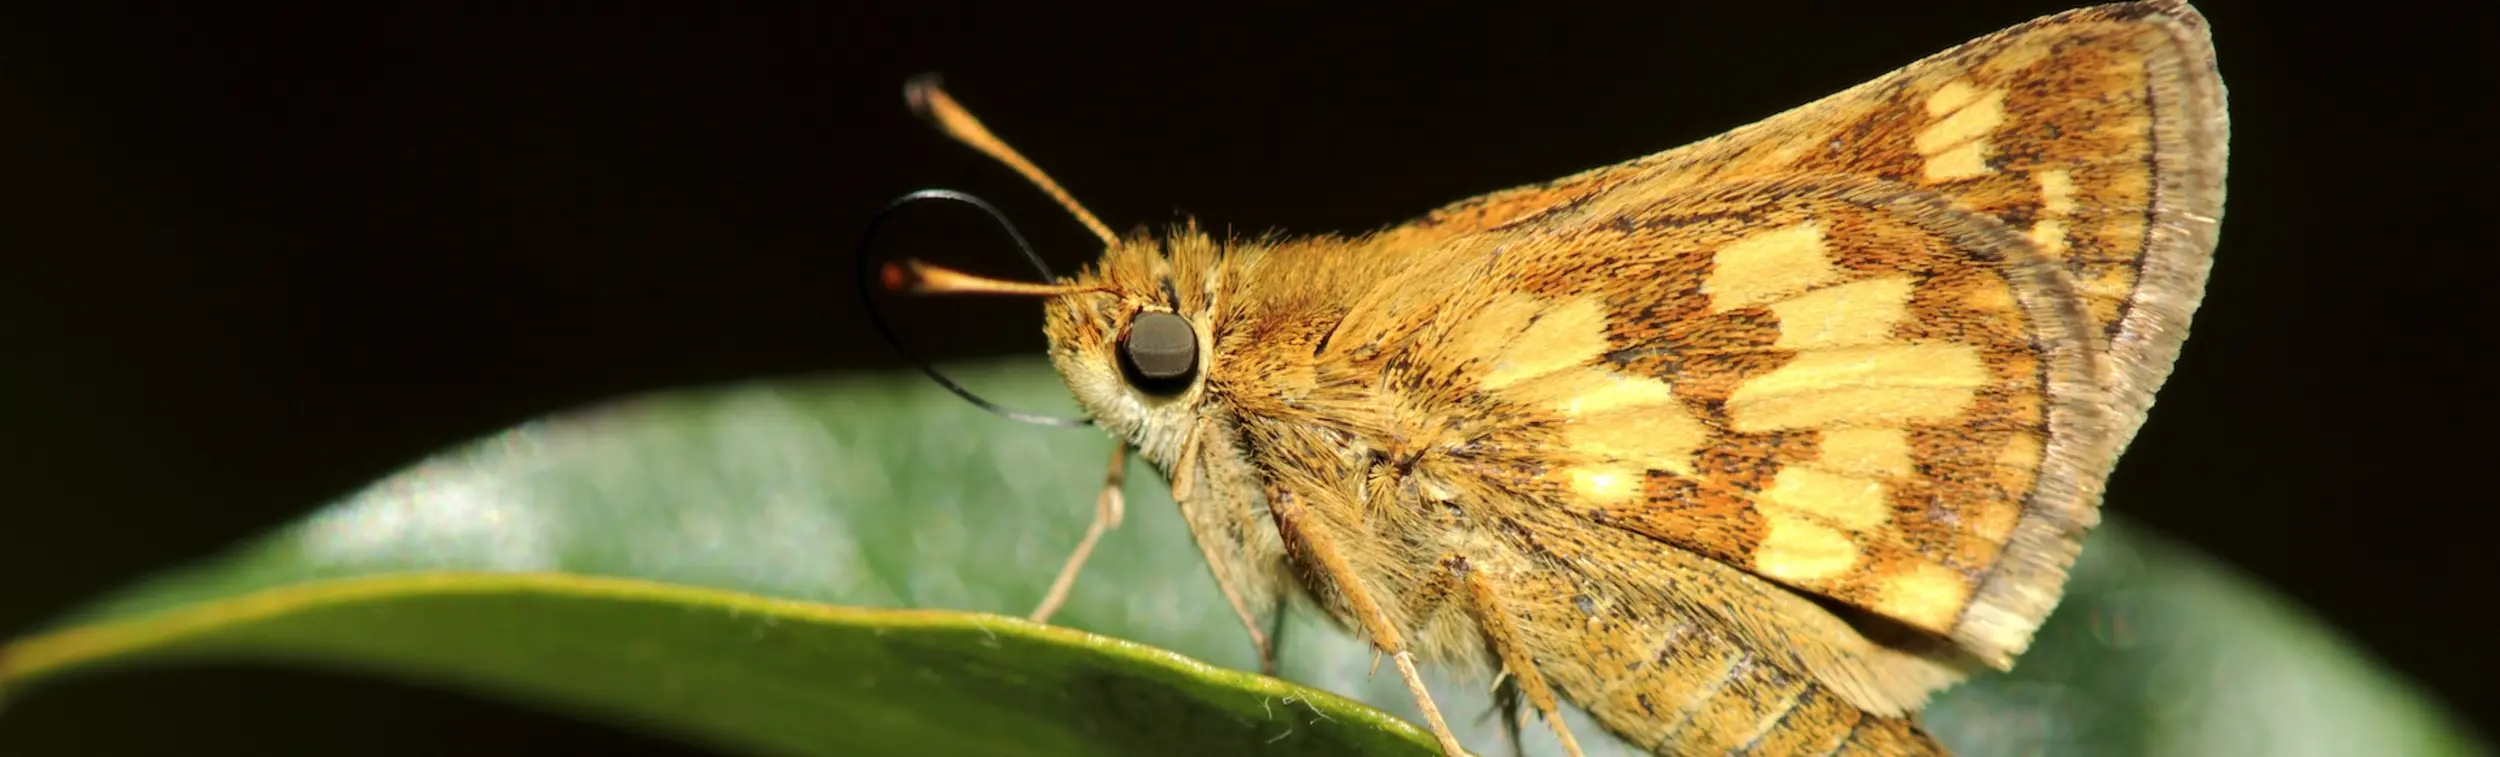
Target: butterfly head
1136 345
1131 334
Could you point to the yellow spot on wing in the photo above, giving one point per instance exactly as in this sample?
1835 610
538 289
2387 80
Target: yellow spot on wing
1976 116
1632 421
1590 391
2049 234
1956 145
1488 332
1661 437
1607 484
2057 198
1568 336
1949 98
1866 451
2057 191
1768 266
1796 549
1854 502
1962 161
1859 312
1885 385
1929 596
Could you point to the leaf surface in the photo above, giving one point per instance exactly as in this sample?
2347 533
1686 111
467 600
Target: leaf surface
837 567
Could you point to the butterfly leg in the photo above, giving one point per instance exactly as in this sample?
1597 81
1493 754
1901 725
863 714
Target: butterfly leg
1185 468
1320 546
1261 641
1484 601
1108 509
1184 486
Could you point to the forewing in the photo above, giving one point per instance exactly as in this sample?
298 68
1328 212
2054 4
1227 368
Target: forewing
1845 386
1906 329
2099 135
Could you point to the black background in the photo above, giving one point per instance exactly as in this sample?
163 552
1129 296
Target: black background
253 258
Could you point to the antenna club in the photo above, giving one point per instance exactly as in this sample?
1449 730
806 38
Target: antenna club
923 95
918 91
896 277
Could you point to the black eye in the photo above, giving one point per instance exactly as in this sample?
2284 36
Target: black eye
1160 353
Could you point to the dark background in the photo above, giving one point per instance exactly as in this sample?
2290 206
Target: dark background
253 258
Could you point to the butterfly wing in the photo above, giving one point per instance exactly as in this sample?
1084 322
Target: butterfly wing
1883 348
2099 134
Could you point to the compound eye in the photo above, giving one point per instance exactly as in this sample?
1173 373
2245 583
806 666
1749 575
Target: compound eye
1160 352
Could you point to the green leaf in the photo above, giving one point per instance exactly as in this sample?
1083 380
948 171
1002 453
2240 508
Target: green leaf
833 567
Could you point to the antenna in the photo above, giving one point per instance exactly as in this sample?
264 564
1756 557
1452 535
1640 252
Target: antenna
918 277
930 102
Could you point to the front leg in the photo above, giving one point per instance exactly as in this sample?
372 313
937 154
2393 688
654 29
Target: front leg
1207 534
1262 642
1109 507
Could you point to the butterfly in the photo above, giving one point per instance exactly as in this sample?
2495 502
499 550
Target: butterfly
1745 447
